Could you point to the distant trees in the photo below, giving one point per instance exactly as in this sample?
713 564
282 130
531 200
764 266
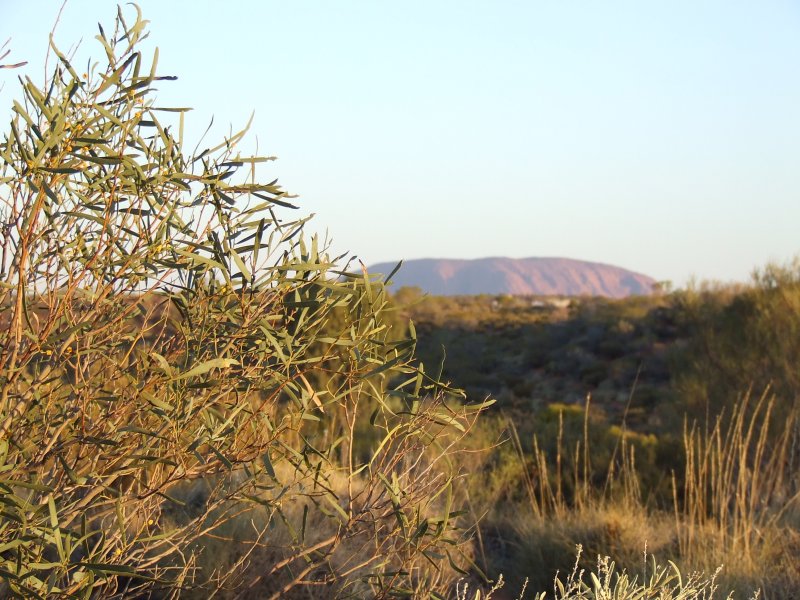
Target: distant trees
664 286
743 339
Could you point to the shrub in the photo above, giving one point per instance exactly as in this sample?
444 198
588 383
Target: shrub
178 363
742 338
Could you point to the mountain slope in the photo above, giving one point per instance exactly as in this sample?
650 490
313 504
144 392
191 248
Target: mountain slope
517 276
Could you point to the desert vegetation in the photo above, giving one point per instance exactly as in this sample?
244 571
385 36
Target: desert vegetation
192 389
669 420
197 400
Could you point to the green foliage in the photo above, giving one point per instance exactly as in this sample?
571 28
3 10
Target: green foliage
529 353
743 339
178 363
688 444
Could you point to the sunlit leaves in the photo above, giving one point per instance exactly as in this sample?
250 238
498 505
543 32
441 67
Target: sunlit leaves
163 327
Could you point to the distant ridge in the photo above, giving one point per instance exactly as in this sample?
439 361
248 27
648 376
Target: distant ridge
517 276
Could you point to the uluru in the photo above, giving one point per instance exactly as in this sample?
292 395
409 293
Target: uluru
541 276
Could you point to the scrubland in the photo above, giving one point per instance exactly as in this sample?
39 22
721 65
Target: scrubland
663 424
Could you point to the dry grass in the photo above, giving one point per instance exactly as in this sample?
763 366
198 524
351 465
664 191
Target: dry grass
734 514
607 581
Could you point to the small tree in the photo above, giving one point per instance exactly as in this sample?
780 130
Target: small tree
179 364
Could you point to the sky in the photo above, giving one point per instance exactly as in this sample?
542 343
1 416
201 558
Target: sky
662 137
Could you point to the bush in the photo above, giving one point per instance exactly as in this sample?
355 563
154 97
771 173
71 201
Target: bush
743 338
179 364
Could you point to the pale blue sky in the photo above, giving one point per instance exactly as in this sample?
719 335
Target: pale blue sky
663 137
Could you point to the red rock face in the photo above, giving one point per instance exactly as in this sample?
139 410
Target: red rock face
517 276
